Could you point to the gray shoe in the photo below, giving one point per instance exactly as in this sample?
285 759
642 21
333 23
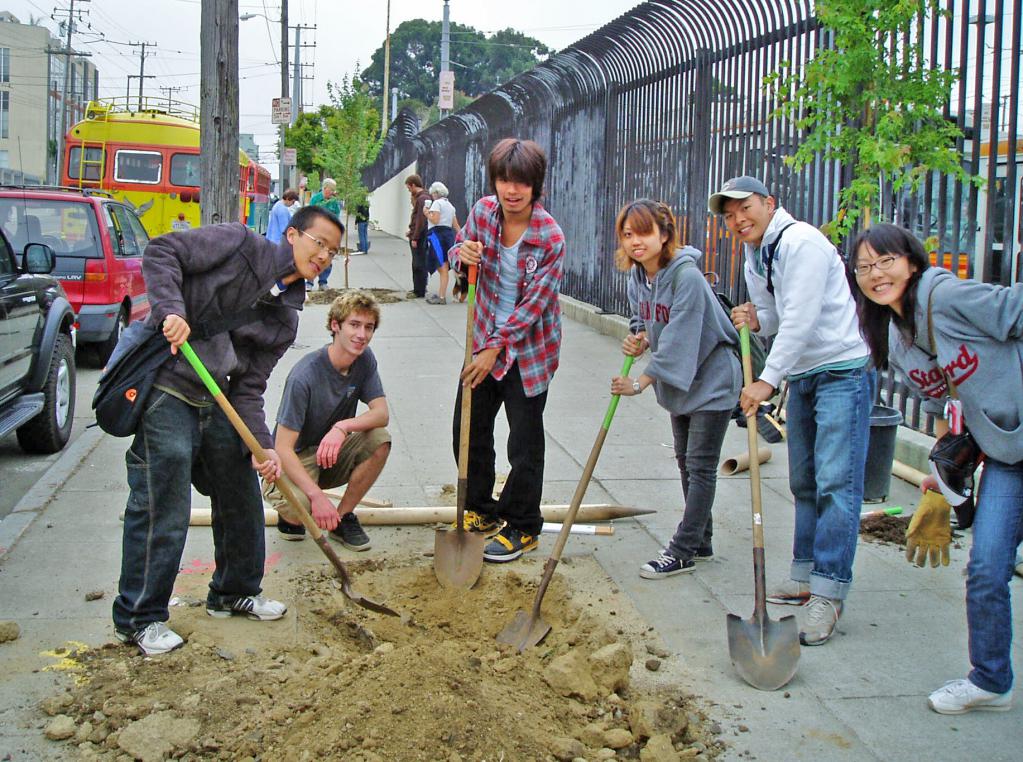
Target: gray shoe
435 299
822 615
790 592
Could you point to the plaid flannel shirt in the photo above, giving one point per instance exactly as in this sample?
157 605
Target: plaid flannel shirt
533 330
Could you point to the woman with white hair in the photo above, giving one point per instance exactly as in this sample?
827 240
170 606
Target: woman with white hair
442 227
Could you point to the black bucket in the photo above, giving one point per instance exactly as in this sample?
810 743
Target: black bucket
877 476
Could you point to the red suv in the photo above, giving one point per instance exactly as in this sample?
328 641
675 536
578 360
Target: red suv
98 242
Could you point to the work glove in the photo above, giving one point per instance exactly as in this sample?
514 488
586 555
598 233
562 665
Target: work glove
929 533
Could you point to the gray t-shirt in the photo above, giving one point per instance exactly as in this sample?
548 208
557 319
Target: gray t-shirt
315 390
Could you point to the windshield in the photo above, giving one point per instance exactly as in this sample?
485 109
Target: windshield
68 227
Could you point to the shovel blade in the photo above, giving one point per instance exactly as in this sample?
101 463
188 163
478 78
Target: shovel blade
765 653
457 558
524 631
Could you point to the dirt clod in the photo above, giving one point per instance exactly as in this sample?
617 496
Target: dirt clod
59 728
9 631
890 529
94 595
653 664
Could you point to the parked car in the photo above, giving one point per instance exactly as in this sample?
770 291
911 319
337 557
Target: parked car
98 243
37 350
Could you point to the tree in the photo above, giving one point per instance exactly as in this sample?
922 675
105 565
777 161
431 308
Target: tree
482 62
872 102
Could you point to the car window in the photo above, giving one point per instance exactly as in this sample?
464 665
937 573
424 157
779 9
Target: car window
68 227
184 170
141 236
6 259
138 166
129 242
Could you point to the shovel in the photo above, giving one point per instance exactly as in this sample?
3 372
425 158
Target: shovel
765 653
283 484
527 630
458 554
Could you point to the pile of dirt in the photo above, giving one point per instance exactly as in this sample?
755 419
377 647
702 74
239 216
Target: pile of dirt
326 296
334 681
890 529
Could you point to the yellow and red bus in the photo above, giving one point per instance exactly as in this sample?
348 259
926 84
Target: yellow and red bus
148 156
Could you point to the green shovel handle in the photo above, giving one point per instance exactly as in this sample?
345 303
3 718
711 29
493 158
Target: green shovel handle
200 369
613 404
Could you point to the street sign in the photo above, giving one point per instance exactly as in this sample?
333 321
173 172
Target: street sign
280 111
290 155
446 101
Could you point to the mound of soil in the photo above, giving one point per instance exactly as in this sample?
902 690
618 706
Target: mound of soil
885 529
334 681
383 295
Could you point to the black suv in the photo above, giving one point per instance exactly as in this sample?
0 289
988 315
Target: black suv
37 353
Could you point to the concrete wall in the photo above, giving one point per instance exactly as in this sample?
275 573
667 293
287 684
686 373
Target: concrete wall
26 144
390 205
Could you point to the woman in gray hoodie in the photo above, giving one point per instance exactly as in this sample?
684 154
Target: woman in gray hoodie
964 339
694 366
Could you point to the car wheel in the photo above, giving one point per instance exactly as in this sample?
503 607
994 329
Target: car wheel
49 431
106 348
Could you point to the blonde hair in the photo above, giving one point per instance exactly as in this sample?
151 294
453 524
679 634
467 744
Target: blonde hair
351 301
644 215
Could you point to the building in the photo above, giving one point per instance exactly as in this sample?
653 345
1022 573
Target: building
31 92
247 142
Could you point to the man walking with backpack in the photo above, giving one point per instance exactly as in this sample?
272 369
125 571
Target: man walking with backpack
800 295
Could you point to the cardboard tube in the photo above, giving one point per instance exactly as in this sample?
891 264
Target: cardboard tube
739 463
907 473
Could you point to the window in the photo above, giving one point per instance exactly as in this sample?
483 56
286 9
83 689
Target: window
5 64
5 114
129 243
184 169
138 167
5 159
91 168
68 227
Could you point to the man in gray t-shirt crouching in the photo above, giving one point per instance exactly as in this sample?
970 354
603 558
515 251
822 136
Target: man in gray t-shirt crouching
321 441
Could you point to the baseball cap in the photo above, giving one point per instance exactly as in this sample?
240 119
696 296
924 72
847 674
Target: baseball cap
738 187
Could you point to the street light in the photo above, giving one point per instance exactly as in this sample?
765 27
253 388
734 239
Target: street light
283 20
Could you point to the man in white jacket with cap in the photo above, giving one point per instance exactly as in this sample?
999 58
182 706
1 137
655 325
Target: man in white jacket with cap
800 295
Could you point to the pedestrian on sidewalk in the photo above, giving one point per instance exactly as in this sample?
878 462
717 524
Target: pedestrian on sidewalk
800 294
417 236
320 439
442 225
519 251
327 199
362 225
959 344
280 216
210 278
694 366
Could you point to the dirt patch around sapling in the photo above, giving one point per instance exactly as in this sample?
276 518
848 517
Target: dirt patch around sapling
890 529
334 681
383 295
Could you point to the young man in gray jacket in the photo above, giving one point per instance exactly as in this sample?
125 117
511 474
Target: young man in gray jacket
799 294
206 280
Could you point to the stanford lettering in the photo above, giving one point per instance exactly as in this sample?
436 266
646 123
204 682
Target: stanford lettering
931 380
662 312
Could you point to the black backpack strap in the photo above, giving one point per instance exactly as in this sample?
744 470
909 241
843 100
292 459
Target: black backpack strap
771 249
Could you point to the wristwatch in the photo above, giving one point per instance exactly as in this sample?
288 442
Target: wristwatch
636 388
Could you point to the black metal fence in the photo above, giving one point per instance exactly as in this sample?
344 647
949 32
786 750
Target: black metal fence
668 101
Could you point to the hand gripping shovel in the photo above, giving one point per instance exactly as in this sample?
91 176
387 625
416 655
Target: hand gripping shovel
764 653
458 554
283 484
527 630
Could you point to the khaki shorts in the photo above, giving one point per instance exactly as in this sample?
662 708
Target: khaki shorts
358 446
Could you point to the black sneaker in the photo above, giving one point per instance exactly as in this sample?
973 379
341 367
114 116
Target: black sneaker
509 544
704 555
350 534
665 565
290 531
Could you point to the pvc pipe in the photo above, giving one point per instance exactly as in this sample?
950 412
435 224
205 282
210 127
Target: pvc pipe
739 463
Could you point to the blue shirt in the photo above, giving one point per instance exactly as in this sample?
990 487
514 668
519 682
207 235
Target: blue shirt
280 216
507 283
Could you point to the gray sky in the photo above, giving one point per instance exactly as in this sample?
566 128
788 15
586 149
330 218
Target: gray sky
347 33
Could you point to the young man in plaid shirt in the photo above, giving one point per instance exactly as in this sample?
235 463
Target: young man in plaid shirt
519 251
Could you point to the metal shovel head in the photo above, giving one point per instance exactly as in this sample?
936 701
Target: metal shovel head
765 653
524 631
457 558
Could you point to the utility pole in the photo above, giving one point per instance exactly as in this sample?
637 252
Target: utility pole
218 110
71 15
387 73
127 89
445 60
282 169
170 91
142 65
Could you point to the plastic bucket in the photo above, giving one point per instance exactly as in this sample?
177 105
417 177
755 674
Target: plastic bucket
877 476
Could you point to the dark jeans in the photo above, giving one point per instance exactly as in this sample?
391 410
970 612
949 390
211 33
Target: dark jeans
363 228
698 439
175 445
419 272
519 504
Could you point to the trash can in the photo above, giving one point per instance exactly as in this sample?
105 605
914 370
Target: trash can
877 476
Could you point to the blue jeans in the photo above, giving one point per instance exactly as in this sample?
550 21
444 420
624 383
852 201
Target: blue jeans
175 445
997 531
363 228
828 427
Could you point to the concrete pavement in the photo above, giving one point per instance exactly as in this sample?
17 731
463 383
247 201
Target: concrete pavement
859 697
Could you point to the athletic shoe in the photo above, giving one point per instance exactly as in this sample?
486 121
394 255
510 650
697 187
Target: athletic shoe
962 696
665 565
349 533
154 639
412 295
790 592
821 618
289 531
436 299
472 521
252 606
704 555
509 544
308 286
1018 569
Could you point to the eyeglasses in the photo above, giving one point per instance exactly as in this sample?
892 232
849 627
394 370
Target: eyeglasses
323 247
884 263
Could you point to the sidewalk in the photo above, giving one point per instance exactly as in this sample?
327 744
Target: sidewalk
859 697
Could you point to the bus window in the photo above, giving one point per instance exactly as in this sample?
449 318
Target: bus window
91 171
184 169
138 167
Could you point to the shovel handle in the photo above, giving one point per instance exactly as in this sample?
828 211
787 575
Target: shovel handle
465 416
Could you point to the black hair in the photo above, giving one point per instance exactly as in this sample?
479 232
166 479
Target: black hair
518 161
875 318
303 219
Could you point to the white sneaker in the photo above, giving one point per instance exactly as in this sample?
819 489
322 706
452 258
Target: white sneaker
790 592
252 606
154 639
962 696
821 618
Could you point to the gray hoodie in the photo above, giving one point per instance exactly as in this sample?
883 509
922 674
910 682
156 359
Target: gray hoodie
978 334
692 342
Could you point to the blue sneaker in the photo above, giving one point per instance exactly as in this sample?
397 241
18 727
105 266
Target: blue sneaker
509 544
665 565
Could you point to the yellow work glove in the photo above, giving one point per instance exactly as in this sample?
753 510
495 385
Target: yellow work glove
929 532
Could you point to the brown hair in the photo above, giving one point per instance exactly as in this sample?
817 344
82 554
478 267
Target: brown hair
290 195
644 215
351 301
415 180
518 161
